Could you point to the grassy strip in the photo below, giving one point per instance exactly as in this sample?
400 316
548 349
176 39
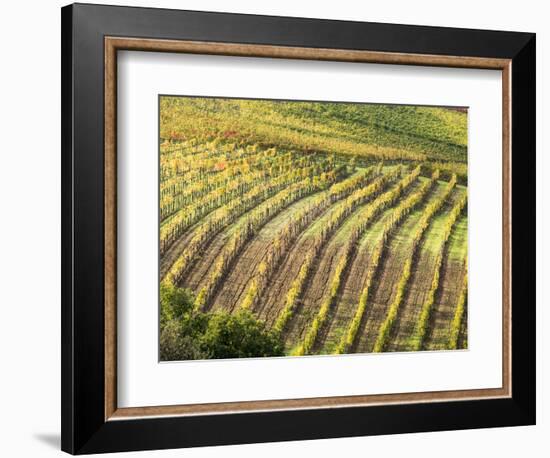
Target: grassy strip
459 314
447 169
430 210
378 132
396 217
366 216
421 327
280 242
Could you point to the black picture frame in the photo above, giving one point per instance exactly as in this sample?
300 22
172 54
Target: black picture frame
84 428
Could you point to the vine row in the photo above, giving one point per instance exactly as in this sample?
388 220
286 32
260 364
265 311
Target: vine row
254 222
284 187
285 237
421 327
363 221
394 219
423 224
171 231
335 219
459 312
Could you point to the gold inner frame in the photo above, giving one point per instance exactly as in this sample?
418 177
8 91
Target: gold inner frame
114 44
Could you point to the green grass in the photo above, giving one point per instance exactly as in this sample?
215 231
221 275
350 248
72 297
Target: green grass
458 241
390 132
432 241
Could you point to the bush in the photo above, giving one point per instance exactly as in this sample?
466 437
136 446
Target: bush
175 345
175 302
239 336
187 334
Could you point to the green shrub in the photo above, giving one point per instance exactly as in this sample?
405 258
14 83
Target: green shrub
187 333
176 345
174 302
239 336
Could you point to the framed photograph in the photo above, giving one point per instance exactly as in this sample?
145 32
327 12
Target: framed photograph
281 228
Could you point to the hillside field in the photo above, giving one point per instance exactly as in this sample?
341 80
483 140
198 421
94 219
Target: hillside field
304 228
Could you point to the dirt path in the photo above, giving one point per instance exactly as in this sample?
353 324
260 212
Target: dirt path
389 274
421 279
450 284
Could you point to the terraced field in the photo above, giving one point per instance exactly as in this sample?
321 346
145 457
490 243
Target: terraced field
322 253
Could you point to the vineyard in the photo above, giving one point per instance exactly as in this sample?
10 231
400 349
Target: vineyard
311 228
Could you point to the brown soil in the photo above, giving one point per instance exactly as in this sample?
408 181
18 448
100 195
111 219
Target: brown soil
407 317
314 292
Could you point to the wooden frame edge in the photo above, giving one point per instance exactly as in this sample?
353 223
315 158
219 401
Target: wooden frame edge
507 227
112 45
110 201
290 52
